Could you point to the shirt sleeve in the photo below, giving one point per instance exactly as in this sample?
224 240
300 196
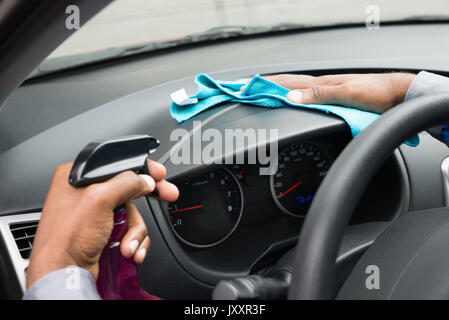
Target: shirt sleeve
426 83
71 283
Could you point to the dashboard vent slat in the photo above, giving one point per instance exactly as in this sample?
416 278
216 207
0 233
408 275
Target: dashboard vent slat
23 234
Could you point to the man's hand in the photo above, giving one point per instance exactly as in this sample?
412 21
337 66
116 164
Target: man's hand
370 92
76 222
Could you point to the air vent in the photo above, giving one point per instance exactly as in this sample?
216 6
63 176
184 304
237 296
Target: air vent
23 234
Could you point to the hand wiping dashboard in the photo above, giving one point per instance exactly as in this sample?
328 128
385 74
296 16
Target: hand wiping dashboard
259 92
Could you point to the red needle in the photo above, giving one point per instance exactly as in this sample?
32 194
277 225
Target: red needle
186 209
241 172
296 185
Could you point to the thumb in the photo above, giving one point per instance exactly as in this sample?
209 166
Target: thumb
315 95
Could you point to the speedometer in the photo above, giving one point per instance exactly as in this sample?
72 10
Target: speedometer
208 209
301 168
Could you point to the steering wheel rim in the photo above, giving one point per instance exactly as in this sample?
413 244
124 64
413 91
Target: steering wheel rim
330 212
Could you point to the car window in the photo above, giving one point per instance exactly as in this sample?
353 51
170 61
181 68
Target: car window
128 22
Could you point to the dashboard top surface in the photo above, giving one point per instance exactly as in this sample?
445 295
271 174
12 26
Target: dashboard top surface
63 96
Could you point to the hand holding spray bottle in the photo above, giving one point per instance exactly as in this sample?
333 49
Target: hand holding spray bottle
118 277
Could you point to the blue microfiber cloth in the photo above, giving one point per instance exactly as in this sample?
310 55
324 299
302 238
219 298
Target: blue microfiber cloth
259 92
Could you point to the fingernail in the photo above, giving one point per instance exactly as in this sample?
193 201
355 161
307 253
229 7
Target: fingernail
142 253
294 96
149 180
133 246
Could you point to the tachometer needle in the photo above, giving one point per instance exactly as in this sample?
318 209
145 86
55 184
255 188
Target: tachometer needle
187 209
290 189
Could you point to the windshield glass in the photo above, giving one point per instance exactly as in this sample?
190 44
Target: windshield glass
126 23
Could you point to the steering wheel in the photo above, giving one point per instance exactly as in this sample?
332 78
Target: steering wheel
338 195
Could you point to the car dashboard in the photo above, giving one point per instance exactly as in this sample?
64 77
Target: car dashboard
230 220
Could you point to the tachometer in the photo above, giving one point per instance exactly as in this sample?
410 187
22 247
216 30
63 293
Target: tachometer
208 209
301 168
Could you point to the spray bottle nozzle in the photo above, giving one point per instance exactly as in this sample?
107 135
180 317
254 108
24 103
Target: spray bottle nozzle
103 159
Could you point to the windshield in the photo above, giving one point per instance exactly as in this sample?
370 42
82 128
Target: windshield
126 23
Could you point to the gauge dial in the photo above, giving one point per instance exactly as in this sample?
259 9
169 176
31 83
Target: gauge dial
301 168
208 209
238 171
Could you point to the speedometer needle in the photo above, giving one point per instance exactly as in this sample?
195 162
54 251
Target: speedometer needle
187 209
290 189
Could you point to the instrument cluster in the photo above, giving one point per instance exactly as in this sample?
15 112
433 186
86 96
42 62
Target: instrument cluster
212 204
